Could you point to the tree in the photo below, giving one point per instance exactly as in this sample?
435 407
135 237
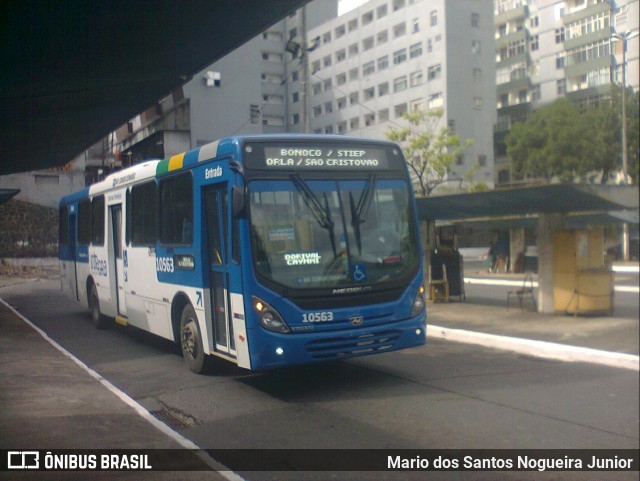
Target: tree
550 143
430 154
559 140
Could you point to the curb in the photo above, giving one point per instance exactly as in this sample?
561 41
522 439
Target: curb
542 349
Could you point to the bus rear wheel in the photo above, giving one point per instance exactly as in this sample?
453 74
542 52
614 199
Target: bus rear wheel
99 320
191 340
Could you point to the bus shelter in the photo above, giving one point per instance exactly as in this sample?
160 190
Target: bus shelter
550 209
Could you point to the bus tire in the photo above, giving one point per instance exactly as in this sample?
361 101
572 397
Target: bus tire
100 321
191 340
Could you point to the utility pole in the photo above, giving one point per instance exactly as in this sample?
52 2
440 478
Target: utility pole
624 37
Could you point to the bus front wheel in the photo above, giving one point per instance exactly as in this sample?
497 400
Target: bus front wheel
191 340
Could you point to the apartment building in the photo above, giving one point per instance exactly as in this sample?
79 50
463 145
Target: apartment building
386 57
244 92
547 49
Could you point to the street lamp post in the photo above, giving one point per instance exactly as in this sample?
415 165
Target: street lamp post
624 37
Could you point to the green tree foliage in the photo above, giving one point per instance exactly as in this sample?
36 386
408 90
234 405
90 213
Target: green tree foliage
430 153
559 140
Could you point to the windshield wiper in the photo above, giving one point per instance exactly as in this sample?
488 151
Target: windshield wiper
321 214
359 211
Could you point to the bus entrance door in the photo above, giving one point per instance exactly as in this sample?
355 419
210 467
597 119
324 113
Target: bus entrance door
72 270
216 229
117 232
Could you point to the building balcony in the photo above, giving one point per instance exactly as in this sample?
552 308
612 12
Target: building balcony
514 86
585 67
516 112
586 39
589 92
520 58
586 12
511 15
511 37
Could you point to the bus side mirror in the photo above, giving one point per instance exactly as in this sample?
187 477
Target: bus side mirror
238 201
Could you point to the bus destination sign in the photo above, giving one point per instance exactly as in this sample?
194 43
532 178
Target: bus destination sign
322 157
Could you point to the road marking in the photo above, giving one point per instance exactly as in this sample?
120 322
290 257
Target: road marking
543 349
218 467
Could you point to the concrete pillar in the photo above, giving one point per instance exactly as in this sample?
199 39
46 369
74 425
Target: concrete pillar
427 233
547 225
516 245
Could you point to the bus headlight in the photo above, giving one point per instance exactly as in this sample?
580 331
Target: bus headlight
418 302
269 317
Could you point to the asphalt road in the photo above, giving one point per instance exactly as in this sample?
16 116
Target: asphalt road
443 395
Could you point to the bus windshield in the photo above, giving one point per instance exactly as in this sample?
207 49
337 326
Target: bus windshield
309 234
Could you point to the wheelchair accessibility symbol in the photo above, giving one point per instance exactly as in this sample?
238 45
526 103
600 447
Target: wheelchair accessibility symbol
359 272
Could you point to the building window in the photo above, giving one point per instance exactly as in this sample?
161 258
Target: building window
477 103
415 50
475 47
353 49
416 78
328 129
534 22
399 56
416 105
369 93
429 45
367 18
295 119
327 84
316 88
381 11
399 30
295 97
342 103
399 110
254 114
435 101
398 4
383 115
352 25
317 111
353 98
482 160
535 43
460 159
354 123
328 107
383 89
433 16
560 60
369 119
383 62
400 84
559 35
367 43
294 76
341 55
326 38
416 25
340 31
368 68
475 20
382 37
522 96
477 75
341 79
315 67
562 86
326 61
353 74
434 72
535 92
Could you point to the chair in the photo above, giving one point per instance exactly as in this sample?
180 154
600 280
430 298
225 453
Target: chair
439 289
525 291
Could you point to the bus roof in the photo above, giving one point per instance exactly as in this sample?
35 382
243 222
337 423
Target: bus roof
227 146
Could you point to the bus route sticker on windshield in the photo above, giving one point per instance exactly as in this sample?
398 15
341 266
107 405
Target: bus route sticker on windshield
303 259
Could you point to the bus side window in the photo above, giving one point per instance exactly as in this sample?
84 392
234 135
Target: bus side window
84 222
176 209
97 218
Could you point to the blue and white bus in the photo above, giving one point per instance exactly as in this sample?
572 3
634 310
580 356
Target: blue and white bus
266 251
